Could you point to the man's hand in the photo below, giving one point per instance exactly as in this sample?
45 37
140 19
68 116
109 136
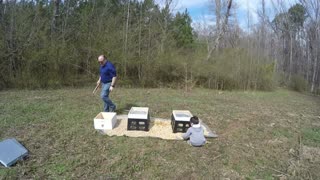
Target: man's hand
111 88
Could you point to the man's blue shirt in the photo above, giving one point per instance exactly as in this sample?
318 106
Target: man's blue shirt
107 72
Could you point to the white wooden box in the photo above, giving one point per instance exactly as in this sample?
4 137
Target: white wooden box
105 120
181 115
138 113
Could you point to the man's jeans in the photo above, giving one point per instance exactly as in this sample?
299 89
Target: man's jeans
108 104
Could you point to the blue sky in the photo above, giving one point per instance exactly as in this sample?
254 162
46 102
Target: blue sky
200 11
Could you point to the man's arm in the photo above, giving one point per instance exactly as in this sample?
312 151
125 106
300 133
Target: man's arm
114 79
187 134
113 82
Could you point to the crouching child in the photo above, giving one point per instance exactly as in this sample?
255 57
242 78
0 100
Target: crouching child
195 134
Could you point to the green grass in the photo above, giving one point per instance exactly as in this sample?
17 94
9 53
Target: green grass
282 133
256 131
311 136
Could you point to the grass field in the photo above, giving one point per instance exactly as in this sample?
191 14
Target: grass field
262 135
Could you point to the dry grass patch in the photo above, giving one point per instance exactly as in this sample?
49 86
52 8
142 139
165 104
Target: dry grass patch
262 135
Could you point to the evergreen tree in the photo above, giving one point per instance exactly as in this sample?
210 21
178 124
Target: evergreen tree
182 30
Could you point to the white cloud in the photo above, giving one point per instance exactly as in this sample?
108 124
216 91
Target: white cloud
192 3
180 5
203 19
254 7
185 3
200 12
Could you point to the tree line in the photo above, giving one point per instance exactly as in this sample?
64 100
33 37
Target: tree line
54 43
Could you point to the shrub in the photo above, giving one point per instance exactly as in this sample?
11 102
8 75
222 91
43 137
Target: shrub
266 79
298 83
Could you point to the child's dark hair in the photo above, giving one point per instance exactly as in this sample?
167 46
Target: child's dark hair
194 120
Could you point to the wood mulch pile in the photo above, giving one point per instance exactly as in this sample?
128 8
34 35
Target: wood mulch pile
159 128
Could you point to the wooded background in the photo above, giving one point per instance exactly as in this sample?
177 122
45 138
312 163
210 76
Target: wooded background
54 43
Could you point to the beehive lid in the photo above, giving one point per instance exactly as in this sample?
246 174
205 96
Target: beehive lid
138 113
11 151
181 115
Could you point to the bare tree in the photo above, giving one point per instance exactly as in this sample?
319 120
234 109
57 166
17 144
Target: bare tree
11 40
1 10
218 16
222 31
313 10
56 4
125 45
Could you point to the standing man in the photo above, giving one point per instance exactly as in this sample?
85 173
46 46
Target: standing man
107 79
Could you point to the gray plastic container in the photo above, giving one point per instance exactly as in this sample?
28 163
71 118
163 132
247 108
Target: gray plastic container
11 151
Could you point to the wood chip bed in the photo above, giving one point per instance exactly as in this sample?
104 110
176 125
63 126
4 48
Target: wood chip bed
159 128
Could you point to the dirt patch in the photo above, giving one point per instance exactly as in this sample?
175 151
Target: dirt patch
299 168
228 174
277 141
292 114
233 127
311 154
316 124
159 128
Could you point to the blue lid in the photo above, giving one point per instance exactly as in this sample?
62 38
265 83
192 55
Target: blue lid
11 151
